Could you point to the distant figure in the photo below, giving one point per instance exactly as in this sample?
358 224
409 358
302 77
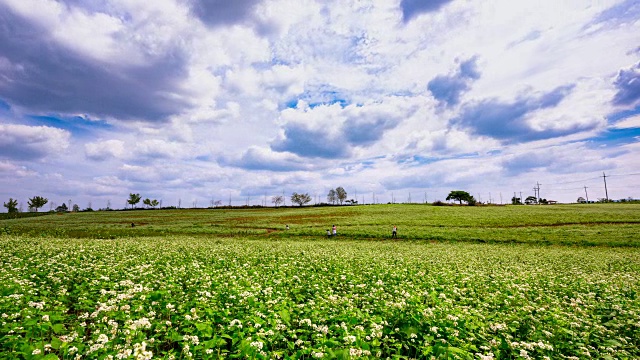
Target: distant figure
328 233
335 230
287 226
394 232
132 225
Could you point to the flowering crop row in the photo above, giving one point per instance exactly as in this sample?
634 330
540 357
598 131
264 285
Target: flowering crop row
182 298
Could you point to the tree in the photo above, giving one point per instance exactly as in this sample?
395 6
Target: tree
277 200
332 196
530 200
516 201
133 199
300 199
154 203
460 196
147 202
76 208
11 205
62 208
341 194
37 202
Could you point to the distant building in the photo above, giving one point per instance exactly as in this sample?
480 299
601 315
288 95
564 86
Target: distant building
581 200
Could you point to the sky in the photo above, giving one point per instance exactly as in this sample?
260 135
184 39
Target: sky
194 101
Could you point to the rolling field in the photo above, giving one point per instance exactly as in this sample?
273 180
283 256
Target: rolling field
513 282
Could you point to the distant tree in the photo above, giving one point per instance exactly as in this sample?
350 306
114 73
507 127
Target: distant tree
516 201
11 205
300 199
147 202
341 194
332 196
76 208
37 202
530 200
217 203
154 203
460 196
277 200
133 199
544 201
62 208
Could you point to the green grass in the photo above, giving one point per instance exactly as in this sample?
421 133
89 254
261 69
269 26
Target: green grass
460 283
593 224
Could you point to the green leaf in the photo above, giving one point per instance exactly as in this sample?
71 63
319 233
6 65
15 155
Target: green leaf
58 328
286 317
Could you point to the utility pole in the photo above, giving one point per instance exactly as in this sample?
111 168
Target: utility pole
522 202
538 184
409 198
604 177
585 194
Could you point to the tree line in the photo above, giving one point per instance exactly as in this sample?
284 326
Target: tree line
334 196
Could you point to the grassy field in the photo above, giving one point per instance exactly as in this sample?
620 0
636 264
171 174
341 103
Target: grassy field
593 224
510 282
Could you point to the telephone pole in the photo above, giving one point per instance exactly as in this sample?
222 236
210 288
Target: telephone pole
585 194
604 177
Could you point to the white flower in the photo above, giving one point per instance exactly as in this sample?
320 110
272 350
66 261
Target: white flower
102 339
36 352
349 339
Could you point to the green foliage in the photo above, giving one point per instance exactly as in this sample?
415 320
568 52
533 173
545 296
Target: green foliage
11 205
300 199
251 297
37 202
460 196
151 203
341 194
133 199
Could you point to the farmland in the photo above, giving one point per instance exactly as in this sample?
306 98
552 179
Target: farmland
510 282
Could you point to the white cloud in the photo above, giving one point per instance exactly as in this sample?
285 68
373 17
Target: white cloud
628 123
24 142
104 150
204 105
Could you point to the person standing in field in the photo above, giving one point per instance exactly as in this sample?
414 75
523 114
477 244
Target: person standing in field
328 233
335 230
394 232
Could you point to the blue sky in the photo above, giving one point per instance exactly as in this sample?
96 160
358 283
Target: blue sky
196 100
